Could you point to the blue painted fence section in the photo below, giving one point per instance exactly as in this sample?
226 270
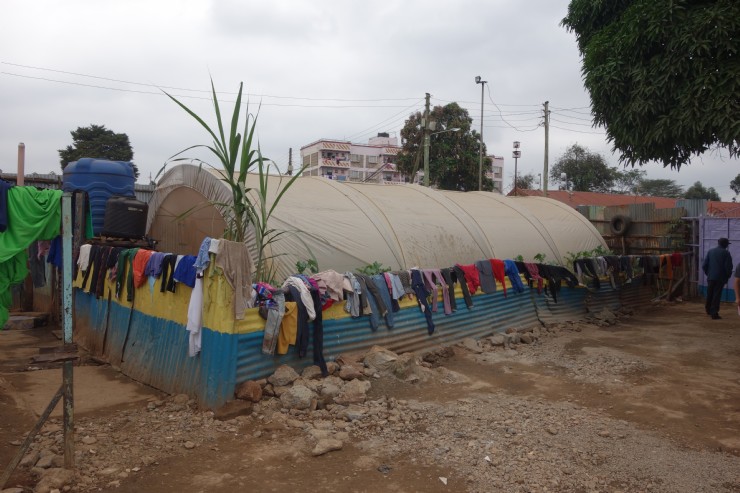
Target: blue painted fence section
155 351
490 313
569 307
604 297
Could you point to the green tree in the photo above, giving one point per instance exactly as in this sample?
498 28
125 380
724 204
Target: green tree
97 142
699 191
662 74
735 184
659 187
585 171
239 154
526 182
453 156
627 181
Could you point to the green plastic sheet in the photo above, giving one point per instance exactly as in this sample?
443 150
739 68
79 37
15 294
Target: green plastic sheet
33 215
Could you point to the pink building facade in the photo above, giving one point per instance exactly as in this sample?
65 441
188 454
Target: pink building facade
342 160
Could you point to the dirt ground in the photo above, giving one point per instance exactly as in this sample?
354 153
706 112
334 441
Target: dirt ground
647 402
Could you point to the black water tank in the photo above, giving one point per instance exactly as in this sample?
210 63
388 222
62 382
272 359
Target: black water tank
125 217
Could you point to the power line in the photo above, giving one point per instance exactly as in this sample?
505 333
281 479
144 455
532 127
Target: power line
372 128
185 96
195 90
578 131
500 114
573 123
475 102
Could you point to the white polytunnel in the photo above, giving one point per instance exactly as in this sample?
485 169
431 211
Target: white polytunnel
345 226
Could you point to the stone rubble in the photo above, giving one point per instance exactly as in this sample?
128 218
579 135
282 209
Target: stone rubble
485 441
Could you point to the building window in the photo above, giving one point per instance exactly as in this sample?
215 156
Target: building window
306 160
314 159
355 158
354 174
372 160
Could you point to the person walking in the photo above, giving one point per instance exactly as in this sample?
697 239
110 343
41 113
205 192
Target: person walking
736 285
717 266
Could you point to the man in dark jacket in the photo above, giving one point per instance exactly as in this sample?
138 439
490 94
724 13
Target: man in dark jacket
717 266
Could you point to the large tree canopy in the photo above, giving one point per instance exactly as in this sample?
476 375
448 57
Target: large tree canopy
664 75
659 187
98 142
699 191
585 171
453 156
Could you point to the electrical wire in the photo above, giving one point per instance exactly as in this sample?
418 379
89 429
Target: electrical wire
373 127
198 90
501 115
186 96
577 131
571 123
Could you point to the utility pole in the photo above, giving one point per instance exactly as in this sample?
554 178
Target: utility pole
482 83
290 161
547 145
425 124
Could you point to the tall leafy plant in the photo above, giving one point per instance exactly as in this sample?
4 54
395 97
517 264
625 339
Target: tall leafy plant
238 154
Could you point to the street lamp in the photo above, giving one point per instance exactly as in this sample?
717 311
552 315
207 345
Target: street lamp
516 154
482 83
427 140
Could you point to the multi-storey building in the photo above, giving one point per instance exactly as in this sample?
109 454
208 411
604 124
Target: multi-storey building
497 173
345 161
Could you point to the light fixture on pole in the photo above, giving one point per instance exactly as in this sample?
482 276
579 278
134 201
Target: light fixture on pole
427 141
516 154
482 83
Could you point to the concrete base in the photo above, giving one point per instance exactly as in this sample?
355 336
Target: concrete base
26 320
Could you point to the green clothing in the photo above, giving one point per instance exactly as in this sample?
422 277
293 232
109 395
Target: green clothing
32 215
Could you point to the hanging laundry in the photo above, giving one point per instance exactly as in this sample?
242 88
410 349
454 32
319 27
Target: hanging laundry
185 271
234 260
330 284
83 260
471 277
303 291
460 275
485 275
513 273
432 277
449 276
195 318
203 258
168 272
275 315
141 259
385 297
534 273
32 215
4 187
36 265
417 283
353 304
288 328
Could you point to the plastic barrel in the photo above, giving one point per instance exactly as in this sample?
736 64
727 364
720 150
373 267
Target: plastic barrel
101 179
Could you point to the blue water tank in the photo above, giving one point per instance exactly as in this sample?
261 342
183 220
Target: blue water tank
101 179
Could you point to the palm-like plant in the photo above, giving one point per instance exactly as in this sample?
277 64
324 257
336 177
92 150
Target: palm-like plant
238 155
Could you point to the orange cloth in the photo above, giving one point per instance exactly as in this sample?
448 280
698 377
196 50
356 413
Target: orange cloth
666 267
288 328
140 261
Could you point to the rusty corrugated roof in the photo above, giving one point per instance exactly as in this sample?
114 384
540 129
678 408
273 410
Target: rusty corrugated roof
574 199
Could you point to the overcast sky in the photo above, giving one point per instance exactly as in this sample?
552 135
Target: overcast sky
337 68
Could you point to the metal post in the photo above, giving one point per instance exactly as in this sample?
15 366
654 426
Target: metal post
20 177
480 148
427 115
67 372
547 146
